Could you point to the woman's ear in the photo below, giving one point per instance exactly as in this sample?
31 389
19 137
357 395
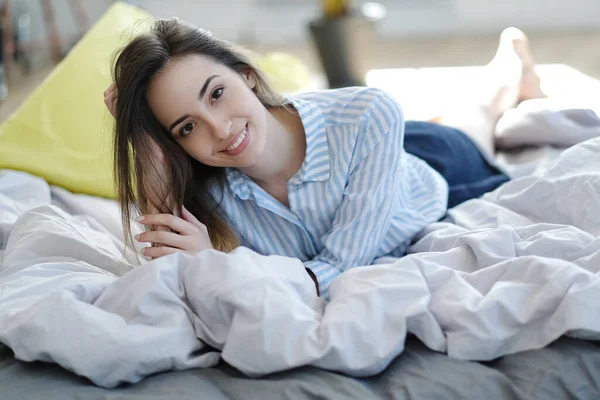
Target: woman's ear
249 77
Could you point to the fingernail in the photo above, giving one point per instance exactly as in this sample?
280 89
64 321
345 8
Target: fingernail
137 237
144 251
140 218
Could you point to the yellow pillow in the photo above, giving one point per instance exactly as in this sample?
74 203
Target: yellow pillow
63 132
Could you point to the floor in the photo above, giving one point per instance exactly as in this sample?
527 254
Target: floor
579 50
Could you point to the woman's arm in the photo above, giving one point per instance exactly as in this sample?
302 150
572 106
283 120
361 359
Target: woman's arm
381 186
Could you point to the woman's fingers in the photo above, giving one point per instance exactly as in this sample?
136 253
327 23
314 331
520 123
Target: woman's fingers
110 98
174 223
164 238
171 233
110 91
175 233
156 252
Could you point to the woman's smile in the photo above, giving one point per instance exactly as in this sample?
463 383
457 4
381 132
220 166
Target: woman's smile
239 143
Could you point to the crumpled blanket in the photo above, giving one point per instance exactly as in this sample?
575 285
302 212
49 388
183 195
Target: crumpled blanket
512 271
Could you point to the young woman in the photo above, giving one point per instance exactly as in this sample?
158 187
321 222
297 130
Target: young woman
211 157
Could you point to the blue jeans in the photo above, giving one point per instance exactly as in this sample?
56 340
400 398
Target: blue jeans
452 153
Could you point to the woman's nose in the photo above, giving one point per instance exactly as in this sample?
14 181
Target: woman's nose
221 129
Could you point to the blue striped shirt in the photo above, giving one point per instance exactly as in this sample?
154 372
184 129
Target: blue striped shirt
357 196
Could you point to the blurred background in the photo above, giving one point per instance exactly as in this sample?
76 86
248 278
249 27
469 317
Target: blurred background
405 33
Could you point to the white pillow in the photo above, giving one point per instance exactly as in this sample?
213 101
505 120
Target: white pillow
540 122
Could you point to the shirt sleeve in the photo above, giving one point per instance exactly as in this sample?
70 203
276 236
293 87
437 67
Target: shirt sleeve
376 188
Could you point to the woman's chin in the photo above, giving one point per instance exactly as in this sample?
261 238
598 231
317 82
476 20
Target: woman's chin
246 163
248 158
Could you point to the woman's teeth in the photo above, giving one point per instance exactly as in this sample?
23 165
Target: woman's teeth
238 141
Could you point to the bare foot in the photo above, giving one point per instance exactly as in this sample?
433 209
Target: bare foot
502 79
508 78
530 82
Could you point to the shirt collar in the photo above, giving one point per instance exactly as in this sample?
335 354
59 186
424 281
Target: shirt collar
316 165
238 183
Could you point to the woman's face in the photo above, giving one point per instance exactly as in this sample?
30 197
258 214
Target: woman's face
210 110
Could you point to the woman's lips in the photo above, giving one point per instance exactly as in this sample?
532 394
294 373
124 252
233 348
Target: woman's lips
239 143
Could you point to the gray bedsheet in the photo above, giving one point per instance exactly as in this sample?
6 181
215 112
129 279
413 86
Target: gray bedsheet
567 369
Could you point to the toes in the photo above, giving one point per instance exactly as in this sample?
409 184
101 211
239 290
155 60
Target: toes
513 33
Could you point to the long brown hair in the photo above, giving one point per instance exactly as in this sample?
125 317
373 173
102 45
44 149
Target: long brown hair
152 172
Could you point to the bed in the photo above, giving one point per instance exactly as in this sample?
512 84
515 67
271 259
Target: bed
551 361
567 369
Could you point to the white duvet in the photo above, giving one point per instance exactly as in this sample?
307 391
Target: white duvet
509 272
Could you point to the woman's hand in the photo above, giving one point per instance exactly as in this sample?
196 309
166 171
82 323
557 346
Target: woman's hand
186 234
110 99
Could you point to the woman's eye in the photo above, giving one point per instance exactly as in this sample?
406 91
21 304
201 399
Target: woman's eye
187 129
216 94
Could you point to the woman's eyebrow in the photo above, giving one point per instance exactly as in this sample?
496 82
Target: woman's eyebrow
200 96
205 86
174 124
